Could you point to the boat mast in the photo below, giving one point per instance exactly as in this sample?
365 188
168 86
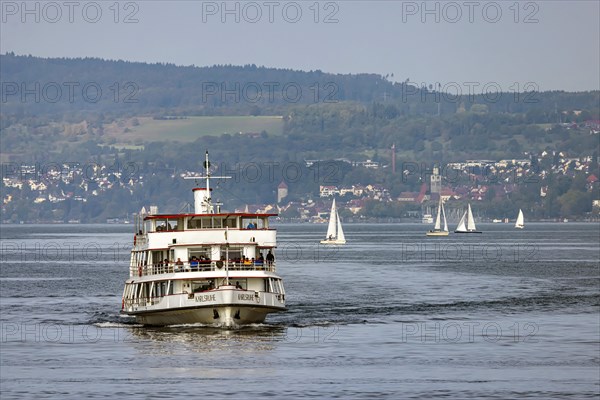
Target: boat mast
226 256
207 168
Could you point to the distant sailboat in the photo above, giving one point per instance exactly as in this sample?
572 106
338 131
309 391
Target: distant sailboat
467 223
520 220
437 229
335 233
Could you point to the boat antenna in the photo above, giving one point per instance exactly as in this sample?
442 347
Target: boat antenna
208 200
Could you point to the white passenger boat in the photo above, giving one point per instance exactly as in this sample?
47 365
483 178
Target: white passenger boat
210 267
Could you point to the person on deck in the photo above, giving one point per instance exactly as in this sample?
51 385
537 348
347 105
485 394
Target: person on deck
260 260
270 259
178 265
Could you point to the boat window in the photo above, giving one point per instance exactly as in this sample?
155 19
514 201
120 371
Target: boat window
160 289
157 257
201 253
243 282
165 225
193 223
178 224
235 252
170 287
231 222
252 223
257 223
200 286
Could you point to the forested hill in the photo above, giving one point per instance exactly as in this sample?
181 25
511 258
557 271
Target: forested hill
149 87
56 86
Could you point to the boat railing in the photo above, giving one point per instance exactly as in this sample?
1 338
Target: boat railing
153 300
199 266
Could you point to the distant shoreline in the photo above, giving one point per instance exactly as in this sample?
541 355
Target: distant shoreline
381 221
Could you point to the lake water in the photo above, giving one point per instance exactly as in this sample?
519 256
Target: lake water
392 314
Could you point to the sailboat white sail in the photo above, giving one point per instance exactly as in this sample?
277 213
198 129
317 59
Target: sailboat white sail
445 222
437 229
520 220
438 218
331 227
335 233
340 232
470 219
462 227
467 223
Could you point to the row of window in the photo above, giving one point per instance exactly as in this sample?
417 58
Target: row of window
153 289
177 224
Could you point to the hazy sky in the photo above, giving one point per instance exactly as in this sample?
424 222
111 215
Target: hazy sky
548 44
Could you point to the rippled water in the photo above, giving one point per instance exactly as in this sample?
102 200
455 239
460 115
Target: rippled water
393 314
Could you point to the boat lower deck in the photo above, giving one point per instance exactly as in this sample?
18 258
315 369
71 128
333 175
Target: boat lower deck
225 305
209 315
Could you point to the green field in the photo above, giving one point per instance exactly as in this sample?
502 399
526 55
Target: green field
191 128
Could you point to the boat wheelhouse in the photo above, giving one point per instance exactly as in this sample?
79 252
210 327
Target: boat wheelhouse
207 267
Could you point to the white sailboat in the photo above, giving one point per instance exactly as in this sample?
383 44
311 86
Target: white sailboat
520 220
335 233
437 229
467 223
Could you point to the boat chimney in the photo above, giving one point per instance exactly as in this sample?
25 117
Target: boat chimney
201 201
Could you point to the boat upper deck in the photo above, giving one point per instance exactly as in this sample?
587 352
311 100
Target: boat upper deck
173 230
201 266
171 243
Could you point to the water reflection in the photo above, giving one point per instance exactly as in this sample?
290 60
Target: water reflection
206 340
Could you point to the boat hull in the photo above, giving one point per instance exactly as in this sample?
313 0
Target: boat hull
467 232
333 242
209 315
437 233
